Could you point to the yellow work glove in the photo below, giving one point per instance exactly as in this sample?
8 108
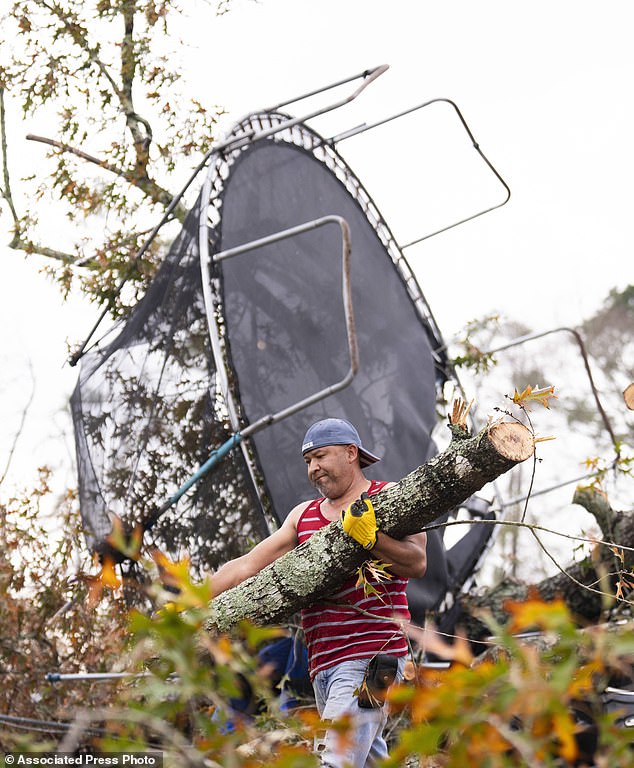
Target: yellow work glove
359 521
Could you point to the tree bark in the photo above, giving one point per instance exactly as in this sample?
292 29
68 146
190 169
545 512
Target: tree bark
320 565
599 572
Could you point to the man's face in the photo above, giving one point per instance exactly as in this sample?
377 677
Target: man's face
330 468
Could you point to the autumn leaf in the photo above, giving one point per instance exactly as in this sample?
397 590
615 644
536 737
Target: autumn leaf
172 573
128 543
95 590
108 574
106 579
372 570
564 728
535 613
585 678
176 575
378 570
618 552
459 651
623 584
534 395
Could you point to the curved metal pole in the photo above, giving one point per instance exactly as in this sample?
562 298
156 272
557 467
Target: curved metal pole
368 76
586 362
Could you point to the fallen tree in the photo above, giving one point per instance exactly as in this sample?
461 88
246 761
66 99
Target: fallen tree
319 566
587 587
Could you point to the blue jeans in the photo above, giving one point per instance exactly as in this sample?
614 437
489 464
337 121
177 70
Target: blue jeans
335 697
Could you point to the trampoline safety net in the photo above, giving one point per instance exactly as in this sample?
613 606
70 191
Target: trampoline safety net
193 362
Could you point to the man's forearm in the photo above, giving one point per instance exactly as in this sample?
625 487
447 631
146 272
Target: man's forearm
406 558
228 575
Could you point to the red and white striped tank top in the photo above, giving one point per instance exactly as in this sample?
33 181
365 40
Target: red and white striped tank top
351 624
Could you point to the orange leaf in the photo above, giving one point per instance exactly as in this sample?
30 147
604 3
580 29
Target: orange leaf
128 543
530 395
172 573
459 651
108 575
564 727
95 590
535 613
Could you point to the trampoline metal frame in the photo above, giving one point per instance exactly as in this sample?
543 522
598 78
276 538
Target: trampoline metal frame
241 432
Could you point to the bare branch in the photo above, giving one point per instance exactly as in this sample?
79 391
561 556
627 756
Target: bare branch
567 573
516 740
570 576
5 190
28 246
153 190
78 153
20 429
531 527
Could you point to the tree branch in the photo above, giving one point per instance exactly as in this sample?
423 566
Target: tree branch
149 187
141 139
596 503
29 247
18 433
78 153
576 583
78 35
5 190
174 739
138 175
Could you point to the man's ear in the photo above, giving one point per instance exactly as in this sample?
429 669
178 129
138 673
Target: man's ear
352 453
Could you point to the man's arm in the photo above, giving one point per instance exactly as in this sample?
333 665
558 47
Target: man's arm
267 551
406 557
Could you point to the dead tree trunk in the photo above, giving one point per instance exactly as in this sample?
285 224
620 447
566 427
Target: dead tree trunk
579 585
318 567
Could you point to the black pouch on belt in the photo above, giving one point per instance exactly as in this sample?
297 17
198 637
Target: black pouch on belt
379 676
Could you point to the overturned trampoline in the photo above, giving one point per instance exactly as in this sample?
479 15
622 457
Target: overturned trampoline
285 298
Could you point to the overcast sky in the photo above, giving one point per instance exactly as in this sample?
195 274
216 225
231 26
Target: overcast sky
546 89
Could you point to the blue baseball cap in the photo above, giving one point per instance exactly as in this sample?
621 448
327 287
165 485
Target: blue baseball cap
336 432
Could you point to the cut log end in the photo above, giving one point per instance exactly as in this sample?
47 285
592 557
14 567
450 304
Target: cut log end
512 440
628 396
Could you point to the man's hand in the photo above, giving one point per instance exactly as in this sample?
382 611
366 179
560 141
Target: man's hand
359 521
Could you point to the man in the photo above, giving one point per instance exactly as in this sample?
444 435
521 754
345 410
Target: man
344 633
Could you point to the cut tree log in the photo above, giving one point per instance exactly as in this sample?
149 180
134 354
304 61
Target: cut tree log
316 568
